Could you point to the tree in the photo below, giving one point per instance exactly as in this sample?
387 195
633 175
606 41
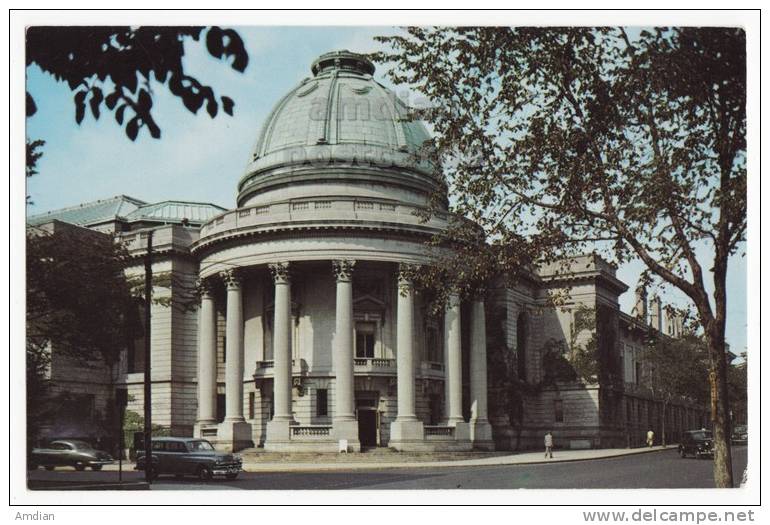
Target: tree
118 67
556 141
679 369
737 381
79 306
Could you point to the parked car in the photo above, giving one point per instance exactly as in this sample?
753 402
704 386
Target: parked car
69 453
698 443
189 456
740 435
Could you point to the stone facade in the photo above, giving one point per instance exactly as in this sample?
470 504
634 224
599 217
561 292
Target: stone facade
291 322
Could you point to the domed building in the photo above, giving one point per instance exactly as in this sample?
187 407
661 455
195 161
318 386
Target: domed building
307 333
321 315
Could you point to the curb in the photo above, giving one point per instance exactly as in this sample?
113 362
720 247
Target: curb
326 467
288 467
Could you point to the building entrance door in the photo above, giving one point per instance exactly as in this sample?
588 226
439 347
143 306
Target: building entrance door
367 427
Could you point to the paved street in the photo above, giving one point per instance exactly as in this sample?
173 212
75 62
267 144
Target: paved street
664 469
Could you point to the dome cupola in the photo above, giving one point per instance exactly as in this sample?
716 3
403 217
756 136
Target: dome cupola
339 128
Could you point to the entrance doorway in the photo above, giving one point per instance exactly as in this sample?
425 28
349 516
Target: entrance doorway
367 427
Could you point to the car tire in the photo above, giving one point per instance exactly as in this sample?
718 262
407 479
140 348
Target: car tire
231 476
49 467
79 467
204 473
96 467
682 453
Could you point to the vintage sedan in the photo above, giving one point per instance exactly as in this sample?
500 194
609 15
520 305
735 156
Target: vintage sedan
69 453
189 456
698 443
740 435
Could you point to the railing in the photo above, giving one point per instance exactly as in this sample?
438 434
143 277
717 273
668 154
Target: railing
307 209
265 364
374 364
311 430
439 430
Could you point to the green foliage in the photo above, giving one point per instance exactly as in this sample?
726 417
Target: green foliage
78 306
560 140
77 296
679 368
737 382
134 422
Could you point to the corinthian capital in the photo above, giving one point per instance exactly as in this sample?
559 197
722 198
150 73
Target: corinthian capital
204 288
232 278
280 272
343 269
406 274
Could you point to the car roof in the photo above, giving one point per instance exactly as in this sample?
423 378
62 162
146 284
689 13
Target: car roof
176 439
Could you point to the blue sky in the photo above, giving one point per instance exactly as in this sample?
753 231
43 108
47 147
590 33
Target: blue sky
202 159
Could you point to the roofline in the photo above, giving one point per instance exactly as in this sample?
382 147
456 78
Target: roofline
139 202
180 202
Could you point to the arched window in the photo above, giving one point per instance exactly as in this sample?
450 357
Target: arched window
521 346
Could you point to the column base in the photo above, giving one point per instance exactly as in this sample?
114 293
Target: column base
481 434
407 436
233 435
347 430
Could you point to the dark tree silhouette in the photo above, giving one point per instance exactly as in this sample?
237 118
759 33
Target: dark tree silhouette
115 67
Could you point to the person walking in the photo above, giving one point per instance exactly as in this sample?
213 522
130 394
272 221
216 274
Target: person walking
650 438
548 445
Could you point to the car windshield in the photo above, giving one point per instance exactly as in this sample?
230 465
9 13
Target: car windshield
196 446
701 434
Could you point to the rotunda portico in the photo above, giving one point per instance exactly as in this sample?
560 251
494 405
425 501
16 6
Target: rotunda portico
324 336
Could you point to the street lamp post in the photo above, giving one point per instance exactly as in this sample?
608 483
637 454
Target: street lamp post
147 356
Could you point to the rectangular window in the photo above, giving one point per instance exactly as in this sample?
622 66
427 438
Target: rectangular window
558 411
433 350
224 348
321 402
251 404
365 339
638 373
221 408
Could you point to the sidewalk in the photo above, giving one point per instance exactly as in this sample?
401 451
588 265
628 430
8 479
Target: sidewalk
265 462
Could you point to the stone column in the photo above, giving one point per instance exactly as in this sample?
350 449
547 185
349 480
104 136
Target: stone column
480 429
344 420
406 432
453 363
233 348
234 432
278 428
207 358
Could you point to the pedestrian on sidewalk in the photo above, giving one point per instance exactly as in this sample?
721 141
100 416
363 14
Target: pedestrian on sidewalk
548 445
650 438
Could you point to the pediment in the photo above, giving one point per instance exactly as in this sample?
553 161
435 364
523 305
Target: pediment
368 303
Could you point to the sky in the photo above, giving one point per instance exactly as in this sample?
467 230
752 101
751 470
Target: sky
202 159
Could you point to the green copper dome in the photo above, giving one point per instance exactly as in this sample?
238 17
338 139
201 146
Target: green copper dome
340 115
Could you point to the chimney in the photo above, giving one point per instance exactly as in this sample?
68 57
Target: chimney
674 323
656 314
640 309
